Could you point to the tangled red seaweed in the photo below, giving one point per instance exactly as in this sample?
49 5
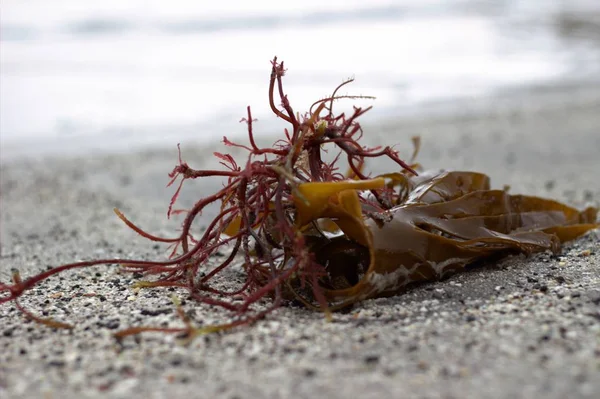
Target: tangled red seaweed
257 214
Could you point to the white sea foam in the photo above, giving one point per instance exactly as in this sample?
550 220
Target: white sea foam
182 70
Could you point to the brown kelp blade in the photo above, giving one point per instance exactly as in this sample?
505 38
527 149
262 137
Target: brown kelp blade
448 221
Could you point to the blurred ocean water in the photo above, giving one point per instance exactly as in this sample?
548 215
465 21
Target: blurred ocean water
98 74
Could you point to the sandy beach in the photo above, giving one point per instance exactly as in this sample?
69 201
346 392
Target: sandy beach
519 328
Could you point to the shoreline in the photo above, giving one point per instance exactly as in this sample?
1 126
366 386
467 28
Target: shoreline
522 327
523 100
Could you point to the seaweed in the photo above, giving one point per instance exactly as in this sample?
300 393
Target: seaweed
306 232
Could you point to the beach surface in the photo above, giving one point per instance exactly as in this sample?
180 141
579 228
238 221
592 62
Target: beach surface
518 328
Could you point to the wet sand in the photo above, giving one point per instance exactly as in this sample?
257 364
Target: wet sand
522 327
